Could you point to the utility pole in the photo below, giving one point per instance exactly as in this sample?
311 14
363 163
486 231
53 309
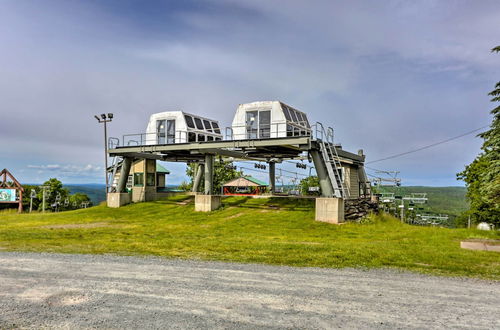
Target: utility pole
32 195
43 197
104 120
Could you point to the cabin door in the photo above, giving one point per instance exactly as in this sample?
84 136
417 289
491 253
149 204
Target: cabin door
170 131
165 131
258 124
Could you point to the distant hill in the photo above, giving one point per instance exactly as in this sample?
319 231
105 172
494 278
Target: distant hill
95 191
445 200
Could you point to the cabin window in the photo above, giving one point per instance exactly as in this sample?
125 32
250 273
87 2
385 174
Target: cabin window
138 179
189 121
264 124
208 127
216 127
210 138
286 113
218 139
201 137
170 131
198 123
150 179
191 137
160 131
294 116
252 122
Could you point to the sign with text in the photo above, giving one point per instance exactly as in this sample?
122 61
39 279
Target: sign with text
7 195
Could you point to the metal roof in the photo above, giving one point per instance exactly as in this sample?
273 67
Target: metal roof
245 181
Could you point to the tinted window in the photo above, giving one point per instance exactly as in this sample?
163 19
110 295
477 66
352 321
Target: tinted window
216 127
199 125
294 115
287 114
201 137
207 125
189 121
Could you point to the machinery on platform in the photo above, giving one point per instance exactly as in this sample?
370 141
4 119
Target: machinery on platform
268 119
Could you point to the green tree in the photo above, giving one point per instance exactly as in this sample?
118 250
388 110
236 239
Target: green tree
55 188
306 183
223 172
26 197
76 200
482 176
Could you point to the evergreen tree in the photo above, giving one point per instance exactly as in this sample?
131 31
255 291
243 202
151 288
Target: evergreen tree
482 176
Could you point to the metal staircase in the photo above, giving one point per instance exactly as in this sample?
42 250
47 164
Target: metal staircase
330 157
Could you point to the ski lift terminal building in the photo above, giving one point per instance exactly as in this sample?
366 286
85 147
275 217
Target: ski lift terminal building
263 131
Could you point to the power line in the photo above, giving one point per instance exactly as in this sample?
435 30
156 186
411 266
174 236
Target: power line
427 146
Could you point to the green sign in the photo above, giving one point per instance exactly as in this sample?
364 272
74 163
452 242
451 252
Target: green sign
7 195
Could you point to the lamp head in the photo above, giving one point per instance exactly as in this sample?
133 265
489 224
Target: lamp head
96 117
110 115
103 116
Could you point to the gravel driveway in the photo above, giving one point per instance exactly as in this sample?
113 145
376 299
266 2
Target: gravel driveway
90 291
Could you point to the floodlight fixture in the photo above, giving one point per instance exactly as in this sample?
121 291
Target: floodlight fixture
96 117
103 116
110 115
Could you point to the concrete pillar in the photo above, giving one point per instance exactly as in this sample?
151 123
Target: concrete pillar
324 180
330 210
209 174
124 172
206 203
197 179
116 200
272 177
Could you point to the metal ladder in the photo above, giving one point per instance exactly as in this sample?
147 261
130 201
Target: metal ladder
114 165
332 161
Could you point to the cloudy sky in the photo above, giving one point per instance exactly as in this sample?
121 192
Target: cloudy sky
389 76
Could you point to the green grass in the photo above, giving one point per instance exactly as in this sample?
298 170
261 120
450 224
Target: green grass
273 231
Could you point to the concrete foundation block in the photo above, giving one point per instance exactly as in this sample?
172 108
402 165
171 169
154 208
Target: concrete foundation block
330 210
206 203
118 199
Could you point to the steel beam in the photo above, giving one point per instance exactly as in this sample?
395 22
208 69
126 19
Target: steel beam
324 180
209 174
124 172
197 179
272 177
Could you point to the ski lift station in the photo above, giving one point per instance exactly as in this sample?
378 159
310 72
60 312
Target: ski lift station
264 131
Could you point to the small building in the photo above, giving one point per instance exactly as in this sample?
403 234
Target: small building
11 191
180 127
268 119
147 179
161 177
244 186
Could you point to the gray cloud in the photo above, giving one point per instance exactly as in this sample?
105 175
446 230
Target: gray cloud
387 76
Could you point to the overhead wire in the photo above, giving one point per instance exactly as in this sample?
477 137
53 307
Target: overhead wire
427 146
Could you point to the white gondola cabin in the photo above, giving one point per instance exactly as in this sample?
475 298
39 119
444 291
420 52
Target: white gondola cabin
180 127
268 119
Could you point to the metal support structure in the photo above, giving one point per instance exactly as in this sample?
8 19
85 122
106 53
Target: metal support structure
44 188
124 172
324 179
272 177
104 120
209 174
197 179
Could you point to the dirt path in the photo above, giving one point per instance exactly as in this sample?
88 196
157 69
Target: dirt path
88 291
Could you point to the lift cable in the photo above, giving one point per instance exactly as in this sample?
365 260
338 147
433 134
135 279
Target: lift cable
427 146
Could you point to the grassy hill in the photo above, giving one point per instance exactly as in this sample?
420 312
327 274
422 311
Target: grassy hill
278 231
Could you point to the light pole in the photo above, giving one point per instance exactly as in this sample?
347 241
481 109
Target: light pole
105 119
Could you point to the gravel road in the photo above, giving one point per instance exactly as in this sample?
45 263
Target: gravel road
90 291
